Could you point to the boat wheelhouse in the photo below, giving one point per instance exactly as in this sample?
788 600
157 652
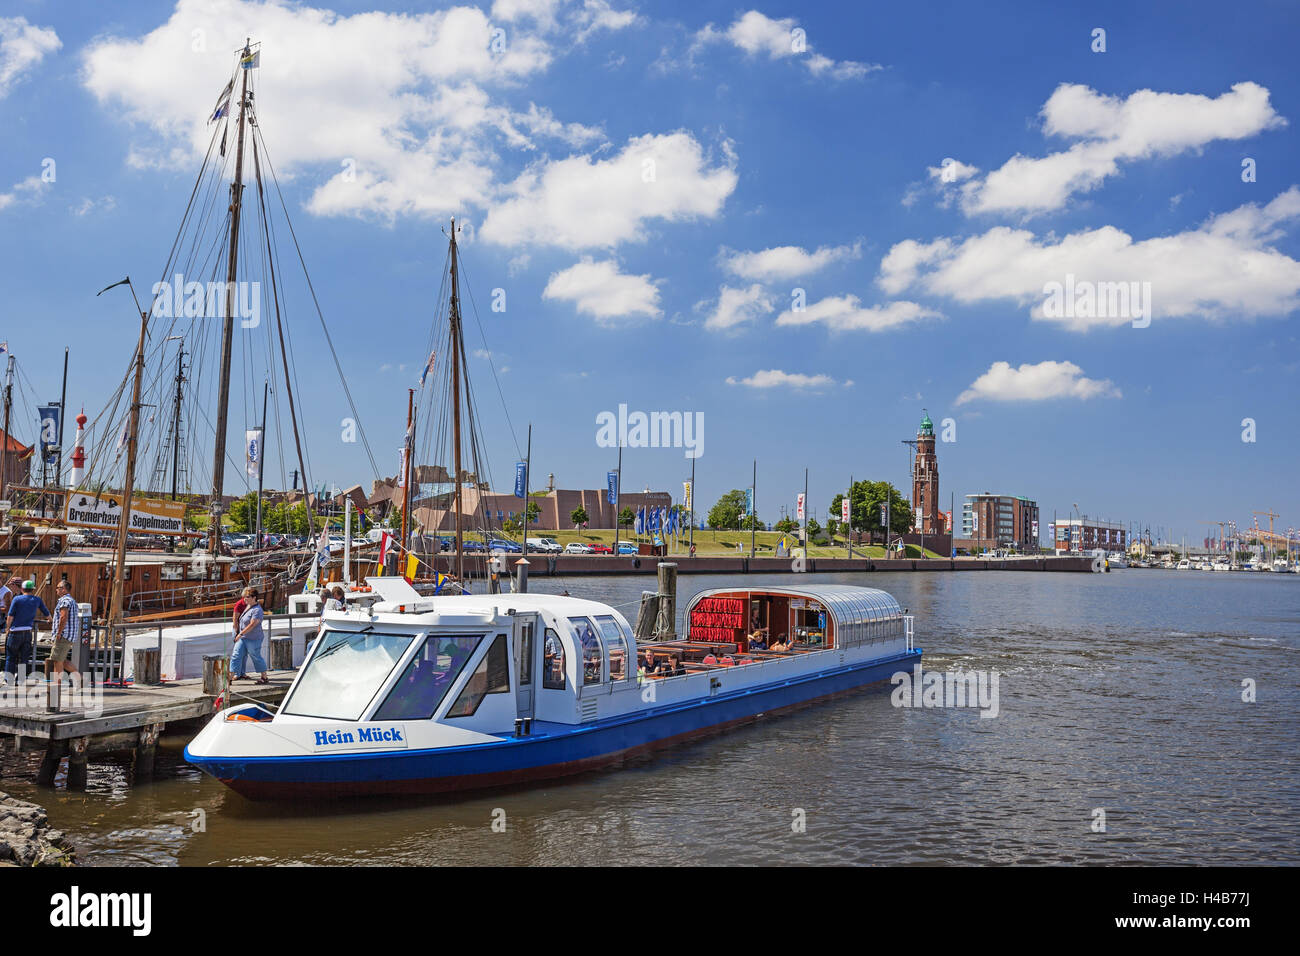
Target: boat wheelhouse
407 694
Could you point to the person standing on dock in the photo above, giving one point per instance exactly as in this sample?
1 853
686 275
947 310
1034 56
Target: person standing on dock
20 622
65 623
248 640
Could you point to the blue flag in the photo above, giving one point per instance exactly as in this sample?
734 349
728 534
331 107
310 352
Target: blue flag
521 479
640 520
612 480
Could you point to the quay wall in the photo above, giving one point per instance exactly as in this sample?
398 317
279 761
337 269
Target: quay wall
561 565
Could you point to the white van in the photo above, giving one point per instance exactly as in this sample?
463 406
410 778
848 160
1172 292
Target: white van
544 545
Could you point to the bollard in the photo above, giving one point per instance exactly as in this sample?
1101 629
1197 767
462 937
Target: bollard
666 623
77 763
146 749
281 654
521 576
214 673
148 665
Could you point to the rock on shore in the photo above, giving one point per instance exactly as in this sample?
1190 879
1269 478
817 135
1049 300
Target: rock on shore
27 839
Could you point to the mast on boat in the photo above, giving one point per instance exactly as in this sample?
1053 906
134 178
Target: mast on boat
406 474
128 481
455 403
228 320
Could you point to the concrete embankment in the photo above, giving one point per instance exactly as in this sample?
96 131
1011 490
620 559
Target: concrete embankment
27 839
567 565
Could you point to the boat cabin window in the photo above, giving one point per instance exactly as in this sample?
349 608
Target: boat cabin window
592 653
492 676
427 678
344 672
552 661
617 644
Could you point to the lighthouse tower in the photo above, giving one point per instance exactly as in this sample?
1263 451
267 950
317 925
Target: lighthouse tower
925 481
79 453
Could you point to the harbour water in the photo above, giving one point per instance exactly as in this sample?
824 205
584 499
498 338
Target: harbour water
1120 693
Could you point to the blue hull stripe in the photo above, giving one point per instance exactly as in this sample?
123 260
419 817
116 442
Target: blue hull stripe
552 750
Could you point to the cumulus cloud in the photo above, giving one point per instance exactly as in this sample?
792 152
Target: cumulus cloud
581 202
1036 383
784 262
22 46
406 113
1225 268
1110 131
737 306
775 378
757 34
600 290
29 190
846 313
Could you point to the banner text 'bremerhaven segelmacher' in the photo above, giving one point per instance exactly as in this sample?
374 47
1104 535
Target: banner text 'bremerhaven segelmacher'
148 515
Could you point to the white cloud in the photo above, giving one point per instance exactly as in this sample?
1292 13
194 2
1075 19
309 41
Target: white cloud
755 34
952 171
88 205
581 19
22 45
405 113
845 313
775 378
737 306
1224 268
784 262
1110 131
583 203
1036 383
599 289
29 190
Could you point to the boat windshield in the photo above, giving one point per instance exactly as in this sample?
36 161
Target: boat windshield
344 673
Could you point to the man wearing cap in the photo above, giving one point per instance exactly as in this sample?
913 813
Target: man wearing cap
65 630
19 625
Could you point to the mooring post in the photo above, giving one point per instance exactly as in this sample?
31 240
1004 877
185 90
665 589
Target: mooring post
54 751
145 750
77 763
214 674
521 576
666 624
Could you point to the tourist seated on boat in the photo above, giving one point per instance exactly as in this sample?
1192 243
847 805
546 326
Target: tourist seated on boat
782 644
677 668
758 641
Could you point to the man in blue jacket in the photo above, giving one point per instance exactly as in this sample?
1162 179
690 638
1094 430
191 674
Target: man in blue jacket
20 634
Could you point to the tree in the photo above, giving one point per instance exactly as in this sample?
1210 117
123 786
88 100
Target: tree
786 525
512 526
533 510
866 497
625 518
814 529
726 515
578 516
243 513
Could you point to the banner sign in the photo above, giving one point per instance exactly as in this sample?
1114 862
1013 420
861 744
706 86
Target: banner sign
1035 532
148 515
521 479
686 494
844 509
611 479
253 453
749 502
50 415
799 507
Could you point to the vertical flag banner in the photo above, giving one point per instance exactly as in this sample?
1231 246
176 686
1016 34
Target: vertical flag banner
50 416
253 453
884 515
521 479
640 520
799 507
974 521
749 502
611 479
844 509
686 495
412 567
1035 531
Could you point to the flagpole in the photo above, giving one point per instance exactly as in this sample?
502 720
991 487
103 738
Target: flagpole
692 502
528 479
618 495
753 508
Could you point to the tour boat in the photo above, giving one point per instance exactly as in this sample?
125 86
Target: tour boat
407 694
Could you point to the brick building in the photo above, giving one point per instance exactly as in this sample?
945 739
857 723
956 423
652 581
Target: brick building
1002 521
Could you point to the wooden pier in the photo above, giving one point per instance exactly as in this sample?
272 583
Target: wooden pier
130 720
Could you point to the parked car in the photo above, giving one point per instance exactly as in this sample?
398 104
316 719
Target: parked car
544 545
475 546
577 547
501 544
627 547
600 549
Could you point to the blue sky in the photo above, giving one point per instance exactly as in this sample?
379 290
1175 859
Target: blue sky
652 294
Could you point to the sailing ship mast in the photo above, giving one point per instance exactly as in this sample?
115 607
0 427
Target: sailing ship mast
455 402
128 482
228 320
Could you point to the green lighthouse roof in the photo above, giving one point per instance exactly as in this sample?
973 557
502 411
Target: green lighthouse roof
927 426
